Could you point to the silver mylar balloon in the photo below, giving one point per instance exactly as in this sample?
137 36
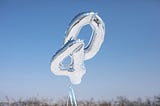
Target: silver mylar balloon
74 47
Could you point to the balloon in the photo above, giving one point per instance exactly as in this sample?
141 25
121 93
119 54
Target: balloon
75 48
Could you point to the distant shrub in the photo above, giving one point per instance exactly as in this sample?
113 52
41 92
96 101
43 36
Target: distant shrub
120 101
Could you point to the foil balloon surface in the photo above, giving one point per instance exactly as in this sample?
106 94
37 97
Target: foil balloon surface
75 48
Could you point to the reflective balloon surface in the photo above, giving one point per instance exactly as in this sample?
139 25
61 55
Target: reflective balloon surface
74 47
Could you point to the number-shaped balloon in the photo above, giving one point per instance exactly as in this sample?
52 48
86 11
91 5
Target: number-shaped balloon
76 49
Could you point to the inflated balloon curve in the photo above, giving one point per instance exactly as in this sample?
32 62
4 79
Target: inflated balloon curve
75 48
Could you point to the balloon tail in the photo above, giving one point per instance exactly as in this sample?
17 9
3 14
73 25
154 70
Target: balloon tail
71 98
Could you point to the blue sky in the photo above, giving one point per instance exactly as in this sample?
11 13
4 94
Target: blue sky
128 63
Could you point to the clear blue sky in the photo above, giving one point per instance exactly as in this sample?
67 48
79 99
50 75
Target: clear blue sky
128 64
